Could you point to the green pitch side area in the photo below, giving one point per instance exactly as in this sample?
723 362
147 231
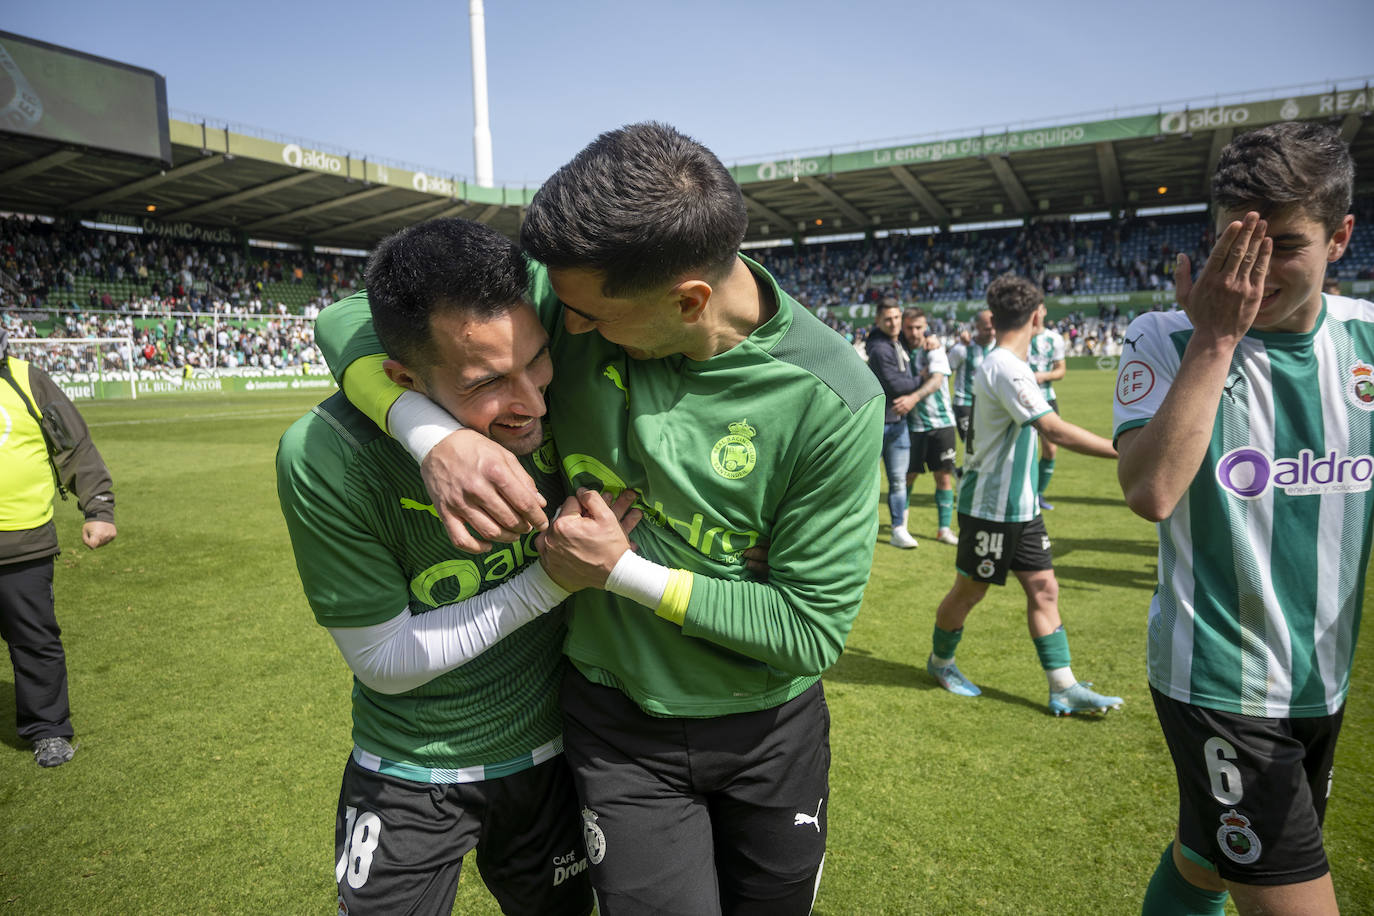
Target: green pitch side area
212 713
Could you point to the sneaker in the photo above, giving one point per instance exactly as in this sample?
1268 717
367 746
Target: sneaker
945 536
1081 697
1045 504
952 679
902 538
52 752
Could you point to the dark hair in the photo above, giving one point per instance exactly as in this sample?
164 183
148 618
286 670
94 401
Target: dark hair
440 265
1012 301
888 302
913 311
1302 163
642 205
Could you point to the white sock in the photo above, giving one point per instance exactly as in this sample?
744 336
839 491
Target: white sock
939 662
1060 678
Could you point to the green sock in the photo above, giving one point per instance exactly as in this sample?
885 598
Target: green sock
944 507
1171 894
1053 649
1046 472
944 642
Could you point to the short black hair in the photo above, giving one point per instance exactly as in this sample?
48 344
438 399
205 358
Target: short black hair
1012 301
436 266
913 311
642 205
1296 163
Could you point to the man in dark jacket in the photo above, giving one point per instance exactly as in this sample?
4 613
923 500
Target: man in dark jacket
44 445
889 362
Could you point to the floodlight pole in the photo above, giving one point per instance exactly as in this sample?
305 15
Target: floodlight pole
481 123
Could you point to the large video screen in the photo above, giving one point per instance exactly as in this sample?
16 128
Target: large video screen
64 95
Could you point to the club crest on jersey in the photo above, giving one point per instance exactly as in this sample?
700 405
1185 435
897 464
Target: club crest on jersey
1248 473
546 456
986 569
734 456
1240 844
593 837
1359 386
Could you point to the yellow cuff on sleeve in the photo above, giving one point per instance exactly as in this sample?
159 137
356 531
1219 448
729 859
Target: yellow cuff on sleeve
675 597
366 386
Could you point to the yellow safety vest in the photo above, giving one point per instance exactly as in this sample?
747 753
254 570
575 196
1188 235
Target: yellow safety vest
26 490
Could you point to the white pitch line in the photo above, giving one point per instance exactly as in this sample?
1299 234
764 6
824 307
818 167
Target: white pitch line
193 417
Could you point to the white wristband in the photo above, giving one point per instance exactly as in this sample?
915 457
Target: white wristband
638 579
419 424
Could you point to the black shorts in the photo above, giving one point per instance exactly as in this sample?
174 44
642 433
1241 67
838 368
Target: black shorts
963 413
1251 791
399 845
933 449
987 550
723 814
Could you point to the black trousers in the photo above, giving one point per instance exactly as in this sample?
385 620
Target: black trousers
28 624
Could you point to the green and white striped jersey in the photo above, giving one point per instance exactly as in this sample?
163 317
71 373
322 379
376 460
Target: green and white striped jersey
1262 563
934 410
964 360
1046 349
1000 454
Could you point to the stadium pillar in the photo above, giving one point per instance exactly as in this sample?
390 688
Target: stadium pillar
481 127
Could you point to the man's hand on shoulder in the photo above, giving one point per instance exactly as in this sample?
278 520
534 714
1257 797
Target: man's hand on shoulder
587 538
477 484
96 533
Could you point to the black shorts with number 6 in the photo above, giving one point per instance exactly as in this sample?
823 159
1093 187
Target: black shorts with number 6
1251 790
987 550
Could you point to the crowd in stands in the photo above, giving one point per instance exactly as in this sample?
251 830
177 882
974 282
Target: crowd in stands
191 305
57 265
176 342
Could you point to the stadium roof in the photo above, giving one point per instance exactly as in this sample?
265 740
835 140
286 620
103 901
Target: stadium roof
223 184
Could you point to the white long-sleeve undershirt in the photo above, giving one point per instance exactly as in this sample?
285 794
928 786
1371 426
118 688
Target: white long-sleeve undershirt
408 650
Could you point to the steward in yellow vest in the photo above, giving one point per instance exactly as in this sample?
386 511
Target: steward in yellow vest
44 446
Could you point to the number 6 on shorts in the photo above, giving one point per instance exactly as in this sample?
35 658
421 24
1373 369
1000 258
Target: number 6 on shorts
1225 776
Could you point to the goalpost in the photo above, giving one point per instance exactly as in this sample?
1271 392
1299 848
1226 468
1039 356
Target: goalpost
78 360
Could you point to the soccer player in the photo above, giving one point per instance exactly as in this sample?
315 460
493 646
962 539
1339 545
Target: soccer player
1046 358
964 359
1000 527
1245 424
889 361
456 658
693 713
931 421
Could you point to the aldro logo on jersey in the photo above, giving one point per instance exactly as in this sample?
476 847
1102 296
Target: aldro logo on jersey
462 577
733 456
586 471
1248 473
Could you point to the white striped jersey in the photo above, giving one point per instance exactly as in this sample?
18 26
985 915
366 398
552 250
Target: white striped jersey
1262 563
1046 349
964 360
998 483
934 410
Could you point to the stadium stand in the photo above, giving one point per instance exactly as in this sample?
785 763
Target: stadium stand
202 305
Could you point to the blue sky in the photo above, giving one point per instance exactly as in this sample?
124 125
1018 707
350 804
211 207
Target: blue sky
393 80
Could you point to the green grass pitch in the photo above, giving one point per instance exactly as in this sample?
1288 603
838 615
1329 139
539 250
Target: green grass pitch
213 713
